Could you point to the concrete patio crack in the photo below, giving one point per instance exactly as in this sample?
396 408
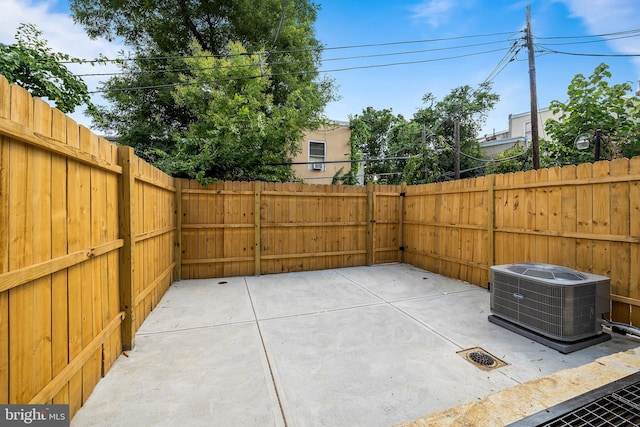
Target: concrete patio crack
266 355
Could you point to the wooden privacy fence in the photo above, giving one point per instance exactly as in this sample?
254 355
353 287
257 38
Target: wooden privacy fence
240 228
86 250
585 217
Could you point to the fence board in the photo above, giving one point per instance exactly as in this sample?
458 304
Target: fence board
76 227
41 183
21 315
5 161
59 291
541 217
554 199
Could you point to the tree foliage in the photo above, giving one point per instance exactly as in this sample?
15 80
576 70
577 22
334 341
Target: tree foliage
149 118
593 104
370 133
422 149
237 132
32 64
514 159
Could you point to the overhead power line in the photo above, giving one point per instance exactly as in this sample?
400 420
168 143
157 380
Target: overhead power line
637 30
602 40
543 49
103 60
300 72
256 64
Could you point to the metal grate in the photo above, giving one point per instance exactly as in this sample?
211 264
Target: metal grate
481 358
620 406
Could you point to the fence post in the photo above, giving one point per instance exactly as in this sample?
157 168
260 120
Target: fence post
126 204
177 249
491 220
257 223
403 192
370 221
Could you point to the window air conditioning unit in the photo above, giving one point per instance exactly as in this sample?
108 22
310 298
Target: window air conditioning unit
553 305
316 166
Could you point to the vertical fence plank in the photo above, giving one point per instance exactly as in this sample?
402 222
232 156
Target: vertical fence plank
519 218
584 216
402 207
77 219
177 253
554 200
113 264
5 164
91 371
370 219
541 219
257 204
619 202
491 220
42 181
21 314
601 220
60 318
126 159
509 208
569 197
634 230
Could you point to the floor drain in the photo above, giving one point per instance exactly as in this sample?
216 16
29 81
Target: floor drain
481 358
222 283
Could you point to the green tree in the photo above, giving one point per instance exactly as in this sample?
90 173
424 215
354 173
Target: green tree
593 104
513 159
370 133
149 118
470 108
422 150
32 64
237 132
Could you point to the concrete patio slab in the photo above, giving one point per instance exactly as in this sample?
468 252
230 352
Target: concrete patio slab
526 359
366 346
370 366
197 377
395 282
301 293
198 303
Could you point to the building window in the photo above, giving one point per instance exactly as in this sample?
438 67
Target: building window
527 130
317 155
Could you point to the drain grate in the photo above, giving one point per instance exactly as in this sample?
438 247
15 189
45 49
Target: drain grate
481 358
615 404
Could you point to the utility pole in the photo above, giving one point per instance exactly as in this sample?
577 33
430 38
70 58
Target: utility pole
598 139
535 144
456 139
424 147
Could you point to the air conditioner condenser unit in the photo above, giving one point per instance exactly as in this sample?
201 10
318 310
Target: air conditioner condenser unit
553 305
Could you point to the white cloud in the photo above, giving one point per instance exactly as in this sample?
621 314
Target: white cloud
434 12
62 35
609 16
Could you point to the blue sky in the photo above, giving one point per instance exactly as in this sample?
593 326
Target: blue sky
401 87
